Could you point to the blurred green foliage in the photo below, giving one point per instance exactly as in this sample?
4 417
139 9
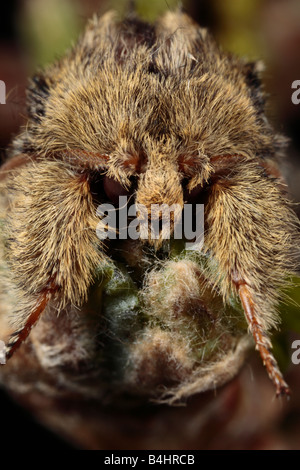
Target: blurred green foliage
290 310
239 27
147 10
290 323
47 29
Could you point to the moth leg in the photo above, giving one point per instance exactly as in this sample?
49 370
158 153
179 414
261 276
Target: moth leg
19 336
251 232
262 341
52 248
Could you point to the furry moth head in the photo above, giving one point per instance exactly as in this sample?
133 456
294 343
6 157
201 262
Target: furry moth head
158 113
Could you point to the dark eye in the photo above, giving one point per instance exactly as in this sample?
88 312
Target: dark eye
113 189
107 189
193 195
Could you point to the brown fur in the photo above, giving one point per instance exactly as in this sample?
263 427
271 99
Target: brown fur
157 104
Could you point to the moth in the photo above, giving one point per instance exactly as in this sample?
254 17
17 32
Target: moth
160 114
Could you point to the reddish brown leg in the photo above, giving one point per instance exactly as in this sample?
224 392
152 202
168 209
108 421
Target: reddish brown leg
263 343
18 337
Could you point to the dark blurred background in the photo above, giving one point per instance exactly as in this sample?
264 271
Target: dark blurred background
35 32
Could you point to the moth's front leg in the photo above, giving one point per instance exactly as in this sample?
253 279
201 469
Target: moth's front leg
250 233
262 340
51 243
34 312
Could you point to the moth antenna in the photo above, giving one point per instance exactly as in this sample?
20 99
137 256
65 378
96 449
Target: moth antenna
262 341
15 162
19 336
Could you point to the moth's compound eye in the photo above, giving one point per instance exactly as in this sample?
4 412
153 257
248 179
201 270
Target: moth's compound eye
192 196
113 189
107 189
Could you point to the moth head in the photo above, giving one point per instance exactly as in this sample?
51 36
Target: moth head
158 114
